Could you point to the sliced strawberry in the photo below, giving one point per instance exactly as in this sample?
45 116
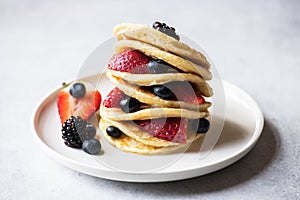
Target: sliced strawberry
112 100
131 61
170 129
184 91
70 106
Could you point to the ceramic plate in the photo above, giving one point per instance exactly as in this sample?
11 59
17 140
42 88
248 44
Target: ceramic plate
242 128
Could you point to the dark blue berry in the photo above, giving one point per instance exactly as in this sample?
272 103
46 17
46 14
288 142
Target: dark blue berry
129 105
163 92
157 66
201 125
91 146
113 132
77 90
90 131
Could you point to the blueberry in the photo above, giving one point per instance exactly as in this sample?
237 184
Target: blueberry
162 92
113 132
157 66
129 105
90 131
77 90
91 146
201 125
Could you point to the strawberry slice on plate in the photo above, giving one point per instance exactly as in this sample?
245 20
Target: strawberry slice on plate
170 129
85 106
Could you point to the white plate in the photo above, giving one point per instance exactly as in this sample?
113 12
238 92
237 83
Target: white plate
242 128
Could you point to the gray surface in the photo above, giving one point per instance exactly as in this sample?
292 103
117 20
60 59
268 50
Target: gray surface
254 45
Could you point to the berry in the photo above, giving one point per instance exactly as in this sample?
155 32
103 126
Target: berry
162 92
90 131
113 132
184 91
77 90
70 133
170 129
131 61
157 66
164 28
112 100
156 25
201 125
91 146
75 130
70 106
129 104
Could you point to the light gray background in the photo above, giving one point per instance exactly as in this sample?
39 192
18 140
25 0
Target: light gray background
254 44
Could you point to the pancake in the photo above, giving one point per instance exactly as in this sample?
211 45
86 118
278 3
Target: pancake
151 99
172 59
156 38
130 144
117 114
159 79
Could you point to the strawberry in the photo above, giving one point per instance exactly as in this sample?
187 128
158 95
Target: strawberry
112 100
184 91
70 106
131 61
170 129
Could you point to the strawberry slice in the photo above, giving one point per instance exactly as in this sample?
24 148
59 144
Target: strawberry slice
70 106
112 100
184 91
170 129
131 61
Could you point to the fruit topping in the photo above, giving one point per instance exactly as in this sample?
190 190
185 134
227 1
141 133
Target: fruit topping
129 104
90 131
131 61
170 129
78 133
91 146
158 66
77 90
84 107
163 92
164 28
112 100
179 91
70 129
113 132
200 125
184 91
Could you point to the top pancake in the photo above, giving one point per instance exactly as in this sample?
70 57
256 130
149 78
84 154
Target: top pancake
151 36
172 59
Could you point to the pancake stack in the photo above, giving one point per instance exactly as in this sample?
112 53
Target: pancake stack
159 100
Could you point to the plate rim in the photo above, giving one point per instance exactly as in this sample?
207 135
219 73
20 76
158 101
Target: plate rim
215 166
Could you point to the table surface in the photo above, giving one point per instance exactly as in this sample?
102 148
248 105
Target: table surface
254 45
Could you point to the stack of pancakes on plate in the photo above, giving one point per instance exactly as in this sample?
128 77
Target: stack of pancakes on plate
152 122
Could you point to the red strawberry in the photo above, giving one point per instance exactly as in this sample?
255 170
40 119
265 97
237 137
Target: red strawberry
184 91
70 106
112 100
131 61
170 129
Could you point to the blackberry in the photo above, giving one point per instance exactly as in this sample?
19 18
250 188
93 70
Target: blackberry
75 130
164 28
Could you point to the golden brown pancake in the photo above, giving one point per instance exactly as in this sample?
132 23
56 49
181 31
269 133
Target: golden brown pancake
172 59
156 38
